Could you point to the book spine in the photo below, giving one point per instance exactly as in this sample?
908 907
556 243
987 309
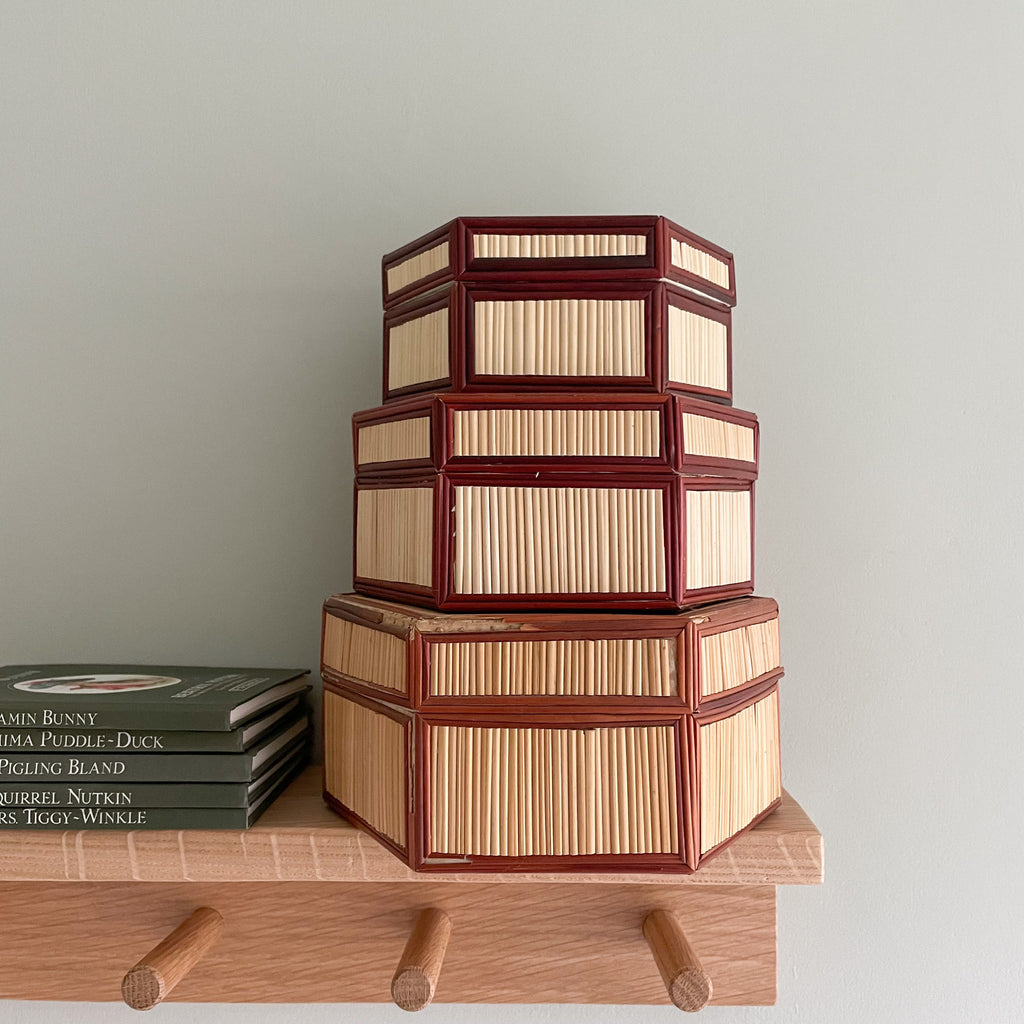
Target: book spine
122 741
125 768
205 794
190 717
123 818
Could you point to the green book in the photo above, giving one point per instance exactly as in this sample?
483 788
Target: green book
168 697
181 767
127 741
152 794
131 818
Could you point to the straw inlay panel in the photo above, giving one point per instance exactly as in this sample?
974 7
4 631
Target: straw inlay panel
632 667
516 792
623 433
394 534
740 772
717 538
558 540
554 246
418 350
736 656
365 764
559 337
394 441
698 350
369 655
699 262
708 435
430 261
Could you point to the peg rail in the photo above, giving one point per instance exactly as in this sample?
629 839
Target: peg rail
304 908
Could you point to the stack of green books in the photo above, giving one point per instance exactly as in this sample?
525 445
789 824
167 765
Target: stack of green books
130 747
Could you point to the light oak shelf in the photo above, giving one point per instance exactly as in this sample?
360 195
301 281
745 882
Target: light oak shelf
314 910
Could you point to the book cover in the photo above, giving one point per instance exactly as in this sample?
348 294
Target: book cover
114 767
153 794
172 817
140 697
138 741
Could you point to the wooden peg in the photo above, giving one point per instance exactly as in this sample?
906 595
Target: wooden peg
153 977
688 985
415 979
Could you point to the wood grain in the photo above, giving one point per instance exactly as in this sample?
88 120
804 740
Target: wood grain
339 942
415 979
686 981
153 978
300 839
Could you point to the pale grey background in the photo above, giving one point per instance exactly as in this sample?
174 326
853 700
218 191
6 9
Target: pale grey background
195 197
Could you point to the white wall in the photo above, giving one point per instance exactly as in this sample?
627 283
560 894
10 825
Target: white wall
193 201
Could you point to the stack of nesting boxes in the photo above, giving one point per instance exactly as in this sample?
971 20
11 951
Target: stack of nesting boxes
559 493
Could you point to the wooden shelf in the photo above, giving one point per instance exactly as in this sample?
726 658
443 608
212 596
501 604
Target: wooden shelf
300 839
315 911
